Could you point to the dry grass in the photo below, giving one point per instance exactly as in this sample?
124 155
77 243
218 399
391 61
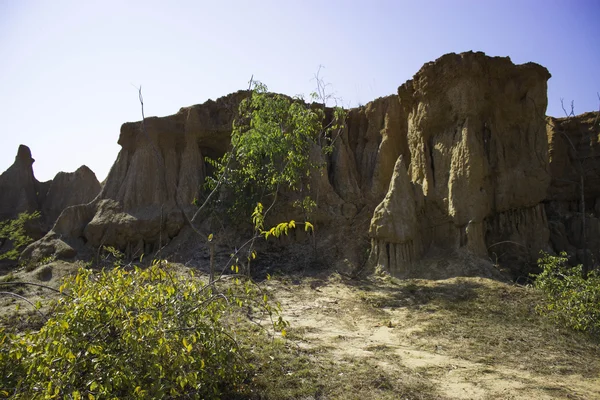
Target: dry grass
495 323
287 371
382 338
459 338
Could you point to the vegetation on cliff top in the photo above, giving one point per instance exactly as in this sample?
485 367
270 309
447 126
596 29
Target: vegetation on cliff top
273 145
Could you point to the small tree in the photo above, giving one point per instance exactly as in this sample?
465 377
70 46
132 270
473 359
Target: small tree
571 299
272 145
136 333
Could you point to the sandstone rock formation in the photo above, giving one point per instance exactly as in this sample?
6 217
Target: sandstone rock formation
456 163
478 151
67 189
158 173
21 192
395 227
574 155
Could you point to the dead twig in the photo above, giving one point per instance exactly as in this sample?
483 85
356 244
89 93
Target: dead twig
28 302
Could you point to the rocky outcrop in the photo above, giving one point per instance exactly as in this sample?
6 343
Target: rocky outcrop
19 190
459 162
67 189
363 162
574 155
395 230
478 151
158 173
574 148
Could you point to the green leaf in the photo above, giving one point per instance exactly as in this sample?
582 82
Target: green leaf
307 226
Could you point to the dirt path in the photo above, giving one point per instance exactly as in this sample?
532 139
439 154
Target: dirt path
337 317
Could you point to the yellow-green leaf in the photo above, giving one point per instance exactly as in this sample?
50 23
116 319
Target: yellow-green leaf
307 226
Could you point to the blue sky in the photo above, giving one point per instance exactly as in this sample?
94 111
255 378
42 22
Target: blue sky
67 67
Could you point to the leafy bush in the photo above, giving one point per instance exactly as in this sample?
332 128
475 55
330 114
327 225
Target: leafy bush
140 333
272 142
14 231
570 299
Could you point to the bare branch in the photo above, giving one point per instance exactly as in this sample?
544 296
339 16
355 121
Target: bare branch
35 284
27 301
506 242
568 114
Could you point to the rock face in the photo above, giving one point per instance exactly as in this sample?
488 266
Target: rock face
478 163
18 187
395 226
154 181
158 174
67 189
21 192
459 161
574 152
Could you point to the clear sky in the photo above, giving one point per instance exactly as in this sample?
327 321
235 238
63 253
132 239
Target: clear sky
67 67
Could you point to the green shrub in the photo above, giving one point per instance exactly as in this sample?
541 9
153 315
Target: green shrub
570 299
14 231
140 333
272 141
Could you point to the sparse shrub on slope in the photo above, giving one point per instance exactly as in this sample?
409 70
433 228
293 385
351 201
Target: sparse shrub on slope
133 333
570 299
14 231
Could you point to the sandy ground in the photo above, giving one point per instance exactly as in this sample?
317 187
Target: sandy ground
333 315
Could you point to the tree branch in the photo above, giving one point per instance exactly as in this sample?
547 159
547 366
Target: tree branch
27 301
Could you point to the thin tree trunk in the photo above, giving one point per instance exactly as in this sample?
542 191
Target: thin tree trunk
584 233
